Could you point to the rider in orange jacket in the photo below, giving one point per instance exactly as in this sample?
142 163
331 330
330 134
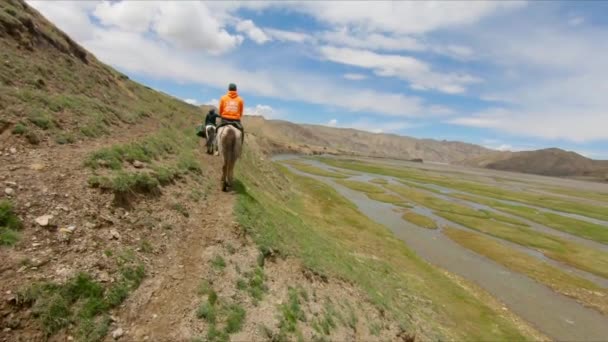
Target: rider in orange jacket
231 105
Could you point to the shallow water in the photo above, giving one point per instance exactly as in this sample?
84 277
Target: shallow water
558 316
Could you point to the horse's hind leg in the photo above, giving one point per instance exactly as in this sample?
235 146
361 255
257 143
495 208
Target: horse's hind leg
224 175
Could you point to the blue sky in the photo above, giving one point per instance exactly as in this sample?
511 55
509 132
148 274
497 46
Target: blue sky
511 75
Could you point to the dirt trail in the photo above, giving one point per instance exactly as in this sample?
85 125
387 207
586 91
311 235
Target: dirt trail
162 308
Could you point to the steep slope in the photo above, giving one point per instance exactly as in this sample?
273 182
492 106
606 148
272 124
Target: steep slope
548 162
322 139
112 224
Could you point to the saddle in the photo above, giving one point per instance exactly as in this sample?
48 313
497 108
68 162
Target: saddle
235 124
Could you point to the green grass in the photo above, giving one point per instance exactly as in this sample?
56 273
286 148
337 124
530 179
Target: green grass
235 317
40 119
387 198
216 312
81 301
254 284
546 201
180 209
65 138
169 154
430 201
361 186
313 170
10 224
581 257
419 220
584 291
290 313
584 229
300 217
380 181
218 262
19 129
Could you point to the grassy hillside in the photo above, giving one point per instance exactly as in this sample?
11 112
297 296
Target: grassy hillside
295 216
114 224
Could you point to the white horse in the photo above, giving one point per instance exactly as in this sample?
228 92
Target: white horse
230 145
211 141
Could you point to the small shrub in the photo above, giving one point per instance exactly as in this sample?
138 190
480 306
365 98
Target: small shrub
9 224
291 312
41 120
19 129
101 182
32 138
218 262
207 312
65 138
146 247
180 209
235 318
125 182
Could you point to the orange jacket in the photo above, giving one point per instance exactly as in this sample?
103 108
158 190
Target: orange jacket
231 106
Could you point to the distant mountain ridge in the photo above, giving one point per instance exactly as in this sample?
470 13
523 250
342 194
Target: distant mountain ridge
548 162
287 137
317 138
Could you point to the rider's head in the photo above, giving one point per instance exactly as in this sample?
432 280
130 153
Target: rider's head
212 110
232 87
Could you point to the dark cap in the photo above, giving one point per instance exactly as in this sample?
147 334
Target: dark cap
232 86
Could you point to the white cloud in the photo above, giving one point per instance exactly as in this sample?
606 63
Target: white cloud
188 25
376 126
191 101
576 21
253 32
403 17
262 110
373 41
354 77
288 36
417 73
69 16
213 102
371 126
558 124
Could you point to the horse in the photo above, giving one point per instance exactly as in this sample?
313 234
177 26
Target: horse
230 145
211 141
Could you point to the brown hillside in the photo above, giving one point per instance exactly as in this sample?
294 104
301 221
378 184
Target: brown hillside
549 162
356 142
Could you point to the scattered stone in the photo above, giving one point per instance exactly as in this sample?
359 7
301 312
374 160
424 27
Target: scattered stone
70 338
62 207
37 167
114 234
44 220
9 183
137 164
104 277
39 262
9 191
118 333
13 150
90 225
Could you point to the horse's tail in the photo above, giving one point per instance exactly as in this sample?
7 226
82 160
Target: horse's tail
229 145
